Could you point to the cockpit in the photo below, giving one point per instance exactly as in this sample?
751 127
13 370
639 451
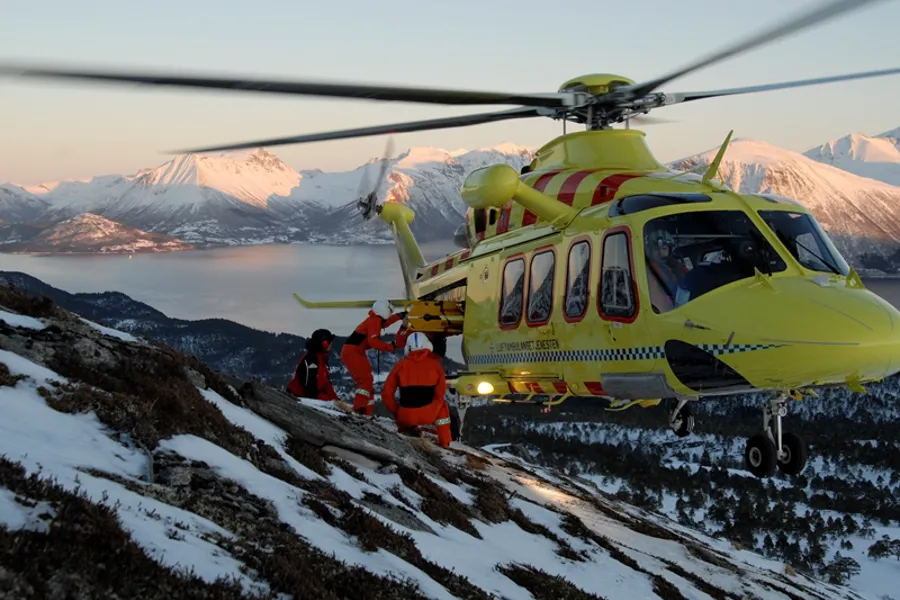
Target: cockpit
805 240
691 254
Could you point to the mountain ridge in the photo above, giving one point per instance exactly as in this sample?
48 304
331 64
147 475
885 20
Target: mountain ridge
252 197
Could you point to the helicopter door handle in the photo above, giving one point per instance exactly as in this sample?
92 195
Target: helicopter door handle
608 329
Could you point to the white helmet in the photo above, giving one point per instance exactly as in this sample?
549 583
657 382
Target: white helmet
418 341
382 308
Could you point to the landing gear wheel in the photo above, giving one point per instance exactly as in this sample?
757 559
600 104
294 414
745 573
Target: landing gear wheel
793 458
761 456
682 420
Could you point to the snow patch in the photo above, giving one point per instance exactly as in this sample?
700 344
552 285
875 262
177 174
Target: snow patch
17 320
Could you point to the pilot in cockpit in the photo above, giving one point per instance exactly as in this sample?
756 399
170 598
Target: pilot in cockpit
665 270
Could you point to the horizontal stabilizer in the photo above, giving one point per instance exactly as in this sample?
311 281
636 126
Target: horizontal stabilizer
346 303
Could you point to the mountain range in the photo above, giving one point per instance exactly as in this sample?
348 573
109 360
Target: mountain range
851 184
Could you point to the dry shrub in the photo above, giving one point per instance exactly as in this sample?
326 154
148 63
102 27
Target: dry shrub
544 586
666 590
437 503
7 378
476 463
492 503
85 553
575 527
149 395
39 307
307 455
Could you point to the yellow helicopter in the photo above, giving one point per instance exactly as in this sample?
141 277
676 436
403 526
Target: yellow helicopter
597 271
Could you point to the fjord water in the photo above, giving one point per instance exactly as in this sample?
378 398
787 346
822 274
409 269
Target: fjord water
251 285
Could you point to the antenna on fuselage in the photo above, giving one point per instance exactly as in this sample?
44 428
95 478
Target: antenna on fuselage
714 165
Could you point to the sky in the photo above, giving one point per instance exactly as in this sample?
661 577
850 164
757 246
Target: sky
60 130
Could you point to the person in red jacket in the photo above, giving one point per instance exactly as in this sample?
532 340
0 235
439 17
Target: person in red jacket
353 354
422 383
311 375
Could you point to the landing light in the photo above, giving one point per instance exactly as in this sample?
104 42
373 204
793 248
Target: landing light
484 388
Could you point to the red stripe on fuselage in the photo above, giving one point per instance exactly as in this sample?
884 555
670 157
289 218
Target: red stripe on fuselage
570 186
529 218
607 189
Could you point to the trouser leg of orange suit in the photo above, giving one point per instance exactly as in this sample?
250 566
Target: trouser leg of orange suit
361 372
436 413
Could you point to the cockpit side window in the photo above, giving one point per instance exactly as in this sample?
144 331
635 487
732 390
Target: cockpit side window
805 240
690 254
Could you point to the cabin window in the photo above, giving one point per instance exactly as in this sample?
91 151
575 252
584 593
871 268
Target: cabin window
512 292
693 253
577 276
806 241
540 287
616 287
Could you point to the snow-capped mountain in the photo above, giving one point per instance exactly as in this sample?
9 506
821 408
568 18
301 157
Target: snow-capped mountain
875 157
18 205
90 233
861 215
254 197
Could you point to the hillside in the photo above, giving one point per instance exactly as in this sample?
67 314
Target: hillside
861 215
92 234
167 480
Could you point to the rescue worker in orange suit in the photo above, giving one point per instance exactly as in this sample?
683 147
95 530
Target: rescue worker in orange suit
311 375
422 383
353 355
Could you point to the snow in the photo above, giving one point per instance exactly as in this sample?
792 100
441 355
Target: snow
63 445
121 335
875 157
60 445
16 320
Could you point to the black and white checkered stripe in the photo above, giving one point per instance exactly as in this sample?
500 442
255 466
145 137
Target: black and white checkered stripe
605 355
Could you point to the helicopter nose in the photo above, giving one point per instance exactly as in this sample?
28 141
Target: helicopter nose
793 333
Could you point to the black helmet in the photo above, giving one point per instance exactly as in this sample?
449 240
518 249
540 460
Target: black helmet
316 339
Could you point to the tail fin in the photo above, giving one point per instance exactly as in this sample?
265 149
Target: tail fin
398 217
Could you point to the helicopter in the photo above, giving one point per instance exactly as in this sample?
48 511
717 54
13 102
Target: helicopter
596 271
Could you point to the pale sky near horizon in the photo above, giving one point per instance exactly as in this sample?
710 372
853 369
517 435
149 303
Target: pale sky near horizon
51 131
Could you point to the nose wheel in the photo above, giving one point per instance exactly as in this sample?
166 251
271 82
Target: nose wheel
772 448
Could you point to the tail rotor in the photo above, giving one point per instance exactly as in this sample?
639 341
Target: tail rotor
367 195
368 204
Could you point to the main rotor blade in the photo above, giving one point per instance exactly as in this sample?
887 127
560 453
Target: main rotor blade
460 121
688 96
794 25
303 88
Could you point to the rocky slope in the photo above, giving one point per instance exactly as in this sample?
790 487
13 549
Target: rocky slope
129 469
